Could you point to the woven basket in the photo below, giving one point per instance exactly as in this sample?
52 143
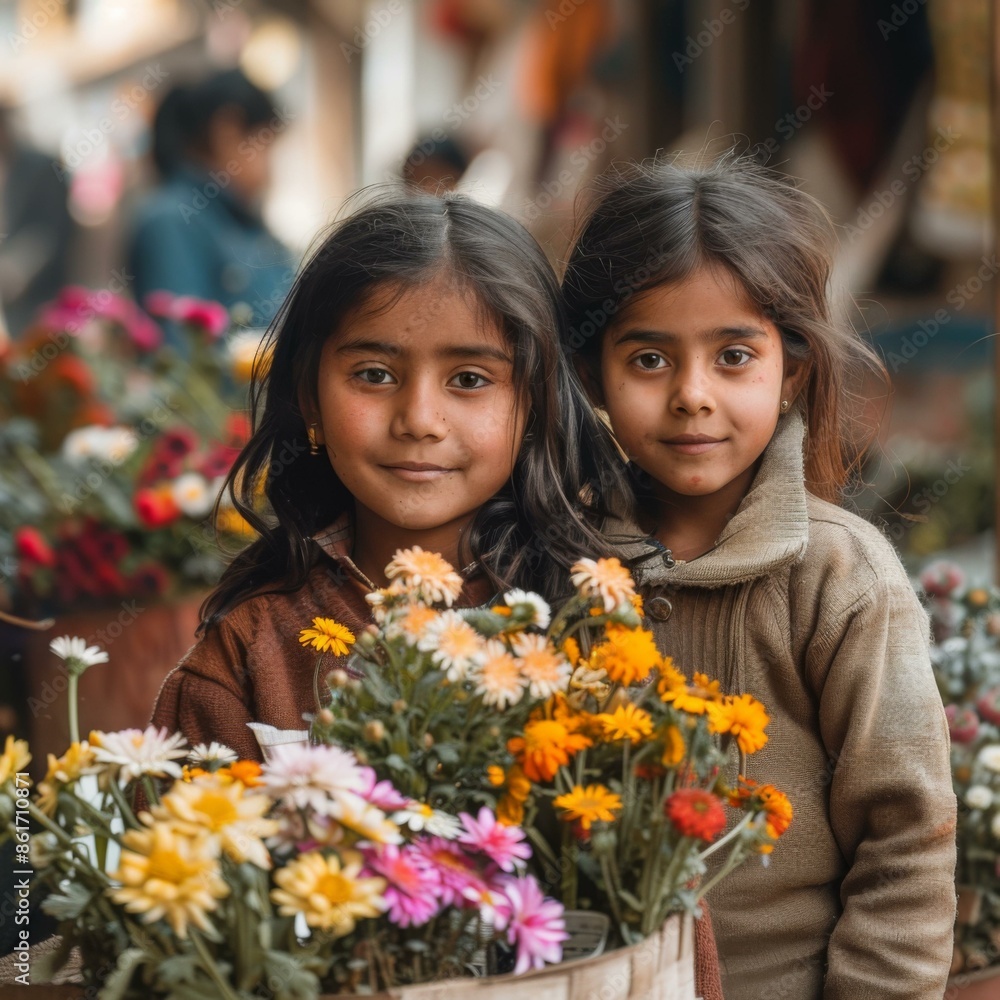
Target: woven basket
659 968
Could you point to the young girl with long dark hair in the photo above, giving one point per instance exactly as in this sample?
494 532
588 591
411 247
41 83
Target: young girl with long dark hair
698 311
417 395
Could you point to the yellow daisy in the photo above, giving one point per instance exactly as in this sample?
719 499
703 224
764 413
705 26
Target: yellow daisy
628 655
693 698
326 635
331 896
626 722
226 812
606 579
170 875
546 746
14 759
427 573
744 717
592 804
78 760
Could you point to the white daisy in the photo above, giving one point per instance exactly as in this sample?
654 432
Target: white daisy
989 757
192 494
607 579
427 573
137 752
212 753
74 649
497 676
979 797
453 644
311 777
542 665
542 614
419 816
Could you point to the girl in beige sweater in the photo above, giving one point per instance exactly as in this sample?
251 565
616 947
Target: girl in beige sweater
698 314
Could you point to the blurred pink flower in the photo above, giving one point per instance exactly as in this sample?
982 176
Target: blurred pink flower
381 794
989 706
503 845
536 925
212 317
963 723
413 884
453 867
159 303
942 578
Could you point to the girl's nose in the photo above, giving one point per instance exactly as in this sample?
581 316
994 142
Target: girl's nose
691 393
419 412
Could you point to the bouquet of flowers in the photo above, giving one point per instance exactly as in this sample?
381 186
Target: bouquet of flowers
113 448
565 722
966 658
308 874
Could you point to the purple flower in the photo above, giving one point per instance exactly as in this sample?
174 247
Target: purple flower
503 845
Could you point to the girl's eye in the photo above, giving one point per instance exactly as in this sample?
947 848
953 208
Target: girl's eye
374 376
470 380
650 362
735 357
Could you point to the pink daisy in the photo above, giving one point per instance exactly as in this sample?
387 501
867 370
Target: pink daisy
380 793
492 904
453 867
413 885
536 924
503 845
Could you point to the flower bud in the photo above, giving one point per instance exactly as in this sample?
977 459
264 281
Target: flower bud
374 731
428 741
399 706
325 717
337 678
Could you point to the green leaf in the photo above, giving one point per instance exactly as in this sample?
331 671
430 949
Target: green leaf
69 903
177 969
287 980
118 982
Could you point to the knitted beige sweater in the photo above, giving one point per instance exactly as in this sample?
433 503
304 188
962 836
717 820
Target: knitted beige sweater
806 607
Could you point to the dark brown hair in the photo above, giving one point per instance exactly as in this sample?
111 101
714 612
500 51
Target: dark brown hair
656 222
543 519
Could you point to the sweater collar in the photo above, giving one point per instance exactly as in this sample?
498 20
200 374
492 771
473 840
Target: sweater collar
769 529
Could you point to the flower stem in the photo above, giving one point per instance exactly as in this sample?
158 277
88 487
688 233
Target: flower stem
208 965
74 708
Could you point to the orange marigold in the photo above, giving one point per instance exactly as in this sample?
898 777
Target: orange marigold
546 746
742 716
628 655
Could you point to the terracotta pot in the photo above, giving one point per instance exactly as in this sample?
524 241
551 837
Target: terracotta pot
659 968
144 640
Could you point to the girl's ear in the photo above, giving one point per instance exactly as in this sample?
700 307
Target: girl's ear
797 371
310 415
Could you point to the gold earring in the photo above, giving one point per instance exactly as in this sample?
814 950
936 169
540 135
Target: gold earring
313 443
784 405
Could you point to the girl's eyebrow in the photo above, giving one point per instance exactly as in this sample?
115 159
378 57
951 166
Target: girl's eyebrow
460 351
639 336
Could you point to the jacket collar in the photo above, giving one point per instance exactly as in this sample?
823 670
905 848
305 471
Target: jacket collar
769 530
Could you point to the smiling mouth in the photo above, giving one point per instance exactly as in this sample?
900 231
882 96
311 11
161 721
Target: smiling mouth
418 472
692 444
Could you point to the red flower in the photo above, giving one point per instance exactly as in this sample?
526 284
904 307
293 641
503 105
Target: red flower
696 813
177 443
218 461
159 303
31 546
143 332
989 706
237 429
963 723
75 372
156 508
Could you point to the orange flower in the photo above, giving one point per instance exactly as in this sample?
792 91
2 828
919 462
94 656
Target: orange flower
673 747
693 698
742 716
247 772
628 655
671 681
590 804
510 812
546 746
518 786
626 722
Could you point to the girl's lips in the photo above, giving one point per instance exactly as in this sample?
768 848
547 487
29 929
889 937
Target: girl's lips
414 473
692 447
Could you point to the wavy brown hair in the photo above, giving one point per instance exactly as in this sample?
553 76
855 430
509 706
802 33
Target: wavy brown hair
655 223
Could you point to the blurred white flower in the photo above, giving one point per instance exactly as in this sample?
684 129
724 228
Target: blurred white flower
979 797
420 816
202 754
138 752
75 649
192 494
989 757
542 612
108 444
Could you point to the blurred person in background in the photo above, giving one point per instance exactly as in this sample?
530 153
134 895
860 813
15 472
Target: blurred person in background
35 229
435 164
200 231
